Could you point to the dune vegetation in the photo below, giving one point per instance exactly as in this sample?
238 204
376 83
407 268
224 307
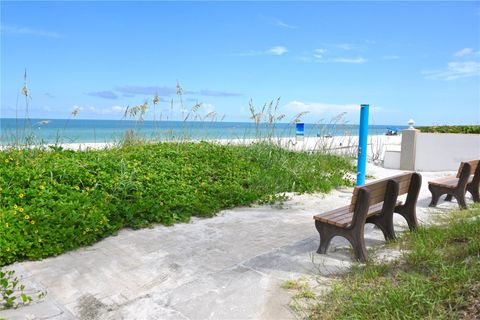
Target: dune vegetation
54 200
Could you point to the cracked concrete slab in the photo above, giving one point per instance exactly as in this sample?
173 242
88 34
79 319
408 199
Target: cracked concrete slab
227 267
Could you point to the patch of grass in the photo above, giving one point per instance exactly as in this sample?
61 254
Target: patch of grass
56 200
438 277
305 294
302 295
294 284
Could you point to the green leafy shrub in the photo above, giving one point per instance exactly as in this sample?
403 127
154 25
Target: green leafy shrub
57 200
451 129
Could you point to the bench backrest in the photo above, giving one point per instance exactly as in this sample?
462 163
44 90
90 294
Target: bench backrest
378 189
473 166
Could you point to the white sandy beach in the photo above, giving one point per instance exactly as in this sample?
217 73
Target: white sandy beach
227 267
376 145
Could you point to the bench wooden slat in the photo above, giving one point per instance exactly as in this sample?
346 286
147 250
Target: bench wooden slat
373 210
378 195
346 218
382 184
342 217
473 164
344 222
334 213
403 187
337 217
448 182
378 188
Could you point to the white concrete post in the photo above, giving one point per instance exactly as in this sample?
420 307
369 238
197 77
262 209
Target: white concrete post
407 155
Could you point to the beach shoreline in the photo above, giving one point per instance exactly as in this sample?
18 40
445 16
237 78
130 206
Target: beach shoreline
377 144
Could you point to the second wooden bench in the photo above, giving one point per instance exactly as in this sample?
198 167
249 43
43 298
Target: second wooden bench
467 179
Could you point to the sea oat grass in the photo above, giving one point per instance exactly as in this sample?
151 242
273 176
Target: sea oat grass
57 200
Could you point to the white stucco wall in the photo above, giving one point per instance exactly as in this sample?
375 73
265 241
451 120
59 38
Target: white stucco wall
442 151
391 159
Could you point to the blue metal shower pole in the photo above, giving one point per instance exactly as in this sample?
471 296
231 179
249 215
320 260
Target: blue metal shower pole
362 144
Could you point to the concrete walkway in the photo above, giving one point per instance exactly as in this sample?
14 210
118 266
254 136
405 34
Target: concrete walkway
227 267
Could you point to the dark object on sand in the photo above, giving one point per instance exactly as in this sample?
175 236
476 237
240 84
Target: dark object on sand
391 132
328 135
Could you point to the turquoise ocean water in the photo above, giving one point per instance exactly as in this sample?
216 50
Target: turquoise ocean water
79 131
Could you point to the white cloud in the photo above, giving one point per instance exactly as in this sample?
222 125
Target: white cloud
208 107
319 53
91 110
464 52
345 46
248 53
322 109
280 23
391 57
118 108
6 29
279 50
358 60
455 70
319 108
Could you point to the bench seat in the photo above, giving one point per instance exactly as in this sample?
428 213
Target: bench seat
450 181
342 217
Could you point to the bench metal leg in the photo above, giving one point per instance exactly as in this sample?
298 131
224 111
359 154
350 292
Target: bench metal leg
410 215
448 197
409 209
474 186
357 240
461 199
327 232
385 224
474 191
436 194
354 233
384 220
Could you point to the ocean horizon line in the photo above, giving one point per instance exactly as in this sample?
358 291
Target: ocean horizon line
86 130
194 121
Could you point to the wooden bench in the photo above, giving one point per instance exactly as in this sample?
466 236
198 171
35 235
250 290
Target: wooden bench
467 179
371 203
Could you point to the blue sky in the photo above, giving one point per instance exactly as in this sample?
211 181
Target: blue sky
417 60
